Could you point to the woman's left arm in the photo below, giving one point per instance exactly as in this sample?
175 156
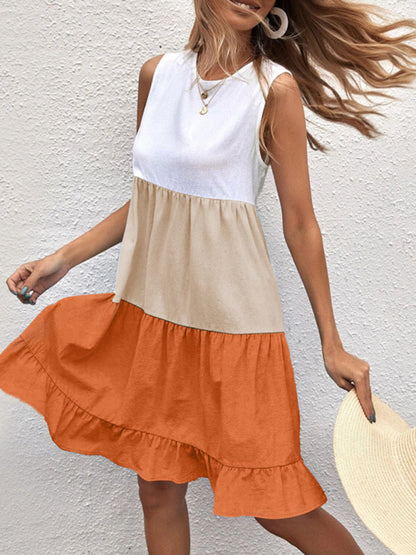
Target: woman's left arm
302 232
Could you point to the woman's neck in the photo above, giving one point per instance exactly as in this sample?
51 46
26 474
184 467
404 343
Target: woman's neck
244 56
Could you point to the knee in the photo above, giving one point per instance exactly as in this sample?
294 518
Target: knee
161 493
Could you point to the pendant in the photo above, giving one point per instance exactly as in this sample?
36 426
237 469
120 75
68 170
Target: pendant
204 95
203 110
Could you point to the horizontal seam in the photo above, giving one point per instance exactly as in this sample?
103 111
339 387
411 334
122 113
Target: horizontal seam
149 433
196 328
180 193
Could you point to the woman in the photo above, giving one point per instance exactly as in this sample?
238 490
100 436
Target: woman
185 371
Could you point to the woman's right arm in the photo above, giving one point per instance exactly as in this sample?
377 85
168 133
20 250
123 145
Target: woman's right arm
40 275
110 231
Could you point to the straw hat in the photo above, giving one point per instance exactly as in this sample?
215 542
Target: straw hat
377 467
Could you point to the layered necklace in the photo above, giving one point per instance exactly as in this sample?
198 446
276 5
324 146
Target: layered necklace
203 92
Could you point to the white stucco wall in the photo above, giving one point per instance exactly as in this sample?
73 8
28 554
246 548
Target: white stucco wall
68 113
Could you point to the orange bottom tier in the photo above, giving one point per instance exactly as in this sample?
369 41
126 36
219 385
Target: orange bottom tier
168 401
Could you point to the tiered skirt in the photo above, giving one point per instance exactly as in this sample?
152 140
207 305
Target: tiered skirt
184 370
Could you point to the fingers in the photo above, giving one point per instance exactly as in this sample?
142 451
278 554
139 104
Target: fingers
22 290
345 384
26 295
363 390
14 282
349 371
18 277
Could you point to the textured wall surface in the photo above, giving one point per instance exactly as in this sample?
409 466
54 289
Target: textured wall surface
68 112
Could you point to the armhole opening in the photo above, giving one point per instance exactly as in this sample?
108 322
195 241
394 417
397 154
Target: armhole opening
153 84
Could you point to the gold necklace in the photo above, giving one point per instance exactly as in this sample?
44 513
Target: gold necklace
204 93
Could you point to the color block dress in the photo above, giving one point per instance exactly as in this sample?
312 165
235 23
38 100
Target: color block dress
183 371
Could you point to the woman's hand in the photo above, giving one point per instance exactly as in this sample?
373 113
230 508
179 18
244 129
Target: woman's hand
349 371
37 276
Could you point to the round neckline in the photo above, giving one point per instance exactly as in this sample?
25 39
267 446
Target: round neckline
242 69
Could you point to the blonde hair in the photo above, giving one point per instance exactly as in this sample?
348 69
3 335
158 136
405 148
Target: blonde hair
333 36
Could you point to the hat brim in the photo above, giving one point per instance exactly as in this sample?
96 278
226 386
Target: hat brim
373 479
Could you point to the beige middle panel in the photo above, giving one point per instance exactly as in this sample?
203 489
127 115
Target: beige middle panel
198 262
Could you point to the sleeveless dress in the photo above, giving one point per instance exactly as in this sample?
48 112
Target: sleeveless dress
183 371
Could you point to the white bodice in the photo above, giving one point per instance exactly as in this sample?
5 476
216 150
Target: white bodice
215 155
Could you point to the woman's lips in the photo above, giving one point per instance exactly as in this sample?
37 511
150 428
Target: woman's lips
246 5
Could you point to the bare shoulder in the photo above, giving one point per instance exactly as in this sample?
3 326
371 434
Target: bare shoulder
285 101
285 88
145 81
148 68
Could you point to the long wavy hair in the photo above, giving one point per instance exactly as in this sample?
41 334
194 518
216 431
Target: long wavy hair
325 39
